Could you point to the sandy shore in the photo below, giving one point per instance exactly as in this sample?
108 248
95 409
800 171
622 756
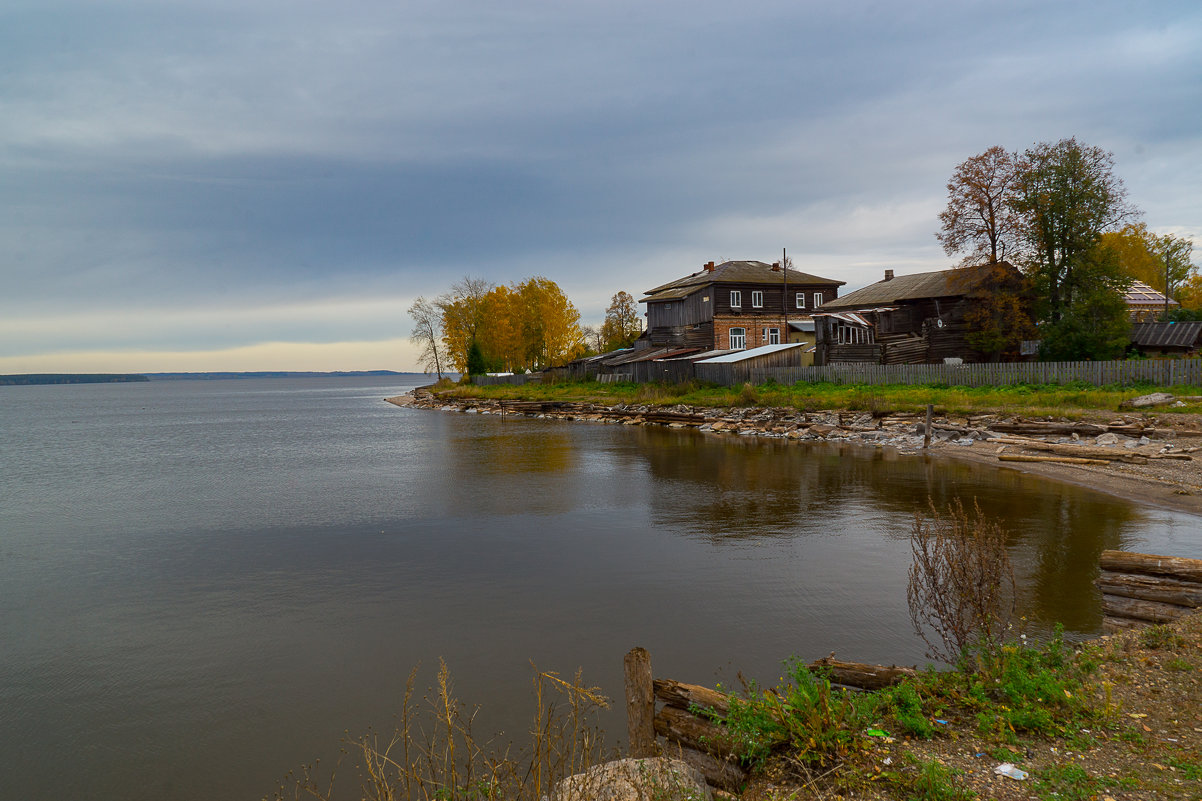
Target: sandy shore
1170 483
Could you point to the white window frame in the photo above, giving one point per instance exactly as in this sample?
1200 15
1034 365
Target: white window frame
801 300
736 299
738 341
817 299
757 299
773 336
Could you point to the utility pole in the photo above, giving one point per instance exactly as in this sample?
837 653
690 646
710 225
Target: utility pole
784 301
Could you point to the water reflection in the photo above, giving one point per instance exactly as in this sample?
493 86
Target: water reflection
729 490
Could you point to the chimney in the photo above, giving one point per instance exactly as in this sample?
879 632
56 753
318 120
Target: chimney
709 266
888 275
776 266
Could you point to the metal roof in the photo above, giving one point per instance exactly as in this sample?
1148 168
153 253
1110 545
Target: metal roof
1166 335
751 353
1141 295
938 284
692 357
734 272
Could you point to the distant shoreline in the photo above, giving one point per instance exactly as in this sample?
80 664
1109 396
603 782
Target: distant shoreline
42 379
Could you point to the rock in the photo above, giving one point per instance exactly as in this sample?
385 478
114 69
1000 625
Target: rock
1109 438
635 780
1144 401
821 429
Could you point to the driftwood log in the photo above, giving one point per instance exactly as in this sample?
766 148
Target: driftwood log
1151 588
1151 565
1141 589
860 675
1076 451
1018 457
1134 608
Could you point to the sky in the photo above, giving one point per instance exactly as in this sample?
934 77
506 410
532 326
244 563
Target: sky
268 185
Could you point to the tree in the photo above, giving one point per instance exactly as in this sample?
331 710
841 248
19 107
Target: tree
999 310
593 341
462 314
622 325
1066 196
426 334
550 323
475 360
1160 261
1097 325
979 218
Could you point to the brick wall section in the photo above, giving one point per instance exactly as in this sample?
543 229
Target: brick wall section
755 325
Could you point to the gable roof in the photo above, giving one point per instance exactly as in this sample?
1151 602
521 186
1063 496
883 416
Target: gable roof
938 284
1140 296
733 272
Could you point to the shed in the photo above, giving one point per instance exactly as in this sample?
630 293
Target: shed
1167 339
737 366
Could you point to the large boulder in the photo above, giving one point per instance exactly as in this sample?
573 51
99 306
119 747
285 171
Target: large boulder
657 779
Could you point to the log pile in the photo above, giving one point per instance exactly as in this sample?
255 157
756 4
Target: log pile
1143 589
688 716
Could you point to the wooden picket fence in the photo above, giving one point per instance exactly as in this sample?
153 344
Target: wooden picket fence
1160 372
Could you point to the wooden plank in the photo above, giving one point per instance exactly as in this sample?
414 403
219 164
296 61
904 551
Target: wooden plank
1152 611
1151 565
689 696
1151 588
693 732
640 704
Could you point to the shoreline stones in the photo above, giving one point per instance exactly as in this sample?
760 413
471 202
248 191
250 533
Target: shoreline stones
901 431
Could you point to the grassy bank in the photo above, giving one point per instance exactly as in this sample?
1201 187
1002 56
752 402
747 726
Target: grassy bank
1069 400
1119 718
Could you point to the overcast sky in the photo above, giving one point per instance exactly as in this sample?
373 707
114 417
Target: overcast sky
268 184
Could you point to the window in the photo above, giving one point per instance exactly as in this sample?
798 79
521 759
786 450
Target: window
854 335
757 299
773 336
817 299
801 300
736 299
738 338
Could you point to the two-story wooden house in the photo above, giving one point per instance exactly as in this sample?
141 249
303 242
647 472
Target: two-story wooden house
736 304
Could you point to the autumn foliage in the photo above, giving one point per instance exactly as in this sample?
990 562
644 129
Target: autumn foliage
529 325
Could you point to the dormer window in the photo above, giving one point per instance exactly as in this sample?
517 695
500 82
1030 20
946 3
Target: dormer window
736 299
757 299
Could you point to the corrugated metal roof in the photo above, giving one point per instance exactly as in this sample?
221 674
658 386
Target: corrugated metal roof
751 353
733 272
1166 335
803 325
938 284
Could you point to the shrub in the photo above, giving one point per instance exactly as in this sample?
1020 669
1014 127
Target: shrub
961 582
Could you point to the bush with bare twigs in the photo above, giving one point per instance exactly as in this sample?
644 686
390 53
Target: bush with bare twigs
961 587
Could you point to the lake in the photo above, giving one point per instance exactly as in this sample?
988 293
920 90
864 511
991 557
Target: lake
204 584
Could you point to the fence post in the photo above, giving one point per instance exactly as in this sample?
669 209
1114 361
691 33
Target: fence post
640 704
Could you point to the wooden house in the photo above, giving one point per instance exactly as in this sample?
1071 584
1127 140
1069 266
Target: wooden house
733 305
908 319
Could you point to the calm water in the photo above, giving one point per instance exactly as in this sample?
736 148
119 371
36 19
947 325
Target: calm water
203 584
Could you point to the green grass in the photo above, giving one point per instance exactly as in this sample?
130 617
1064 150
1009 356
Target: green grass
1067 400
